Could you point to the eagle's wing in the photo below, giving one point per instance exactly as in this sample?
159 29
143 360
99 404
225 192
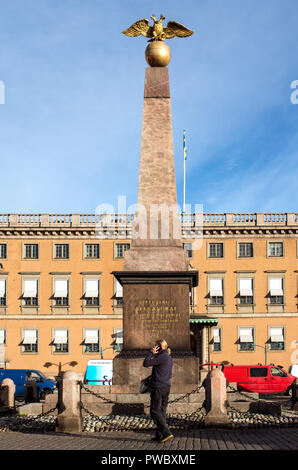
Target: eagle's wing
139 27
176 29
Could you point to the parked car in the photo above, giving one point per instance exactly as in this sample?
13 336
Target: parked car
258 378
18 376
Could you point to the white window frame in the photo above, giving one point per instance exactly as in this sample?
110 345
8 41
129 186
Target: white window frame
215 337
5 249
55 291
24 251
89 340
55 245
116 244
245 243
3 282
3 335
56 336
85 251
209 250
118 335
246 338
269 243
277 338
34 336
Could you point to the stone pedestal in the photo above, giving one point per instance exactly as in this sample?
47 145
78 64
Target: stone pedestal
31 392
216 399
156 305
7 393
69 418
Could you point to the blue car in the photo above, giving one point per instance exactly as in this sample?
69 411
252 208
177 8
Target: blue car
19 377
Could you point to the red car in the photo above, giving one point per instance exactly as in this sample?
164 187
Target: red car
258 378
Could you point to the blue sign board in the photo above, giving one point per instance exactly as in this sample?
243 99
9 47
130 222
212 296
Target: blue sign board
99 372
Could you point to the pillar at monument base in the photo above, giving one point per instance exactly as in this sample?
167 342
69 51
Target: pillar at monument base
69 419
216 399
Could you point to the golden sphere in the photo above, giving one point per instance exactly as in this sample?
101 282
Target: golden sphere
158 54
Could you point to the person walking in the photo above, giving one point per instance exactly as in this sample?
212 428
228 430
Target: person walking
161 362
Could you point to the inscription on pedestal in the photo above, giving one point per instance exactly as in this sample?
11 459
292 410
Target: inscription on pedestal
154 311
157 315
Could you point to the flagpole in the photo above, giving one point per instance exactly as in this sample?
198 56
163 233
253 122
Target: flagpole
184 155
184 185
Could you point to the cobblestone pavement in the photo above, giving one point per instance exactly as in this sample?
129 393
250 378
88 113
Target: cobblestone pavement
202 439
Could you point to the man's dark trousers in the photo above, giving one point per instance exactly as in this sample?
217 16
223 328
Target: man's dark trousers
158 407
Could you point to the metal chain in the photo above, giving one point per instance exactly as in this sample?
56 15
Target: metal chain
251 398
129 405
41 415
176 400
196 390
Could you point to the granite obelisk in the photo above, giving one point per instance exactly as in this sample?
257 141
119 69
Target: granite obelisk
156 278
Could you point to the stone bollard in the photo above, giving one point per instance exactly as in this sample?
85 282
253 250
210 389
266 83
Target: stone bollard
31 392
69 417
216 399
294 397
7 393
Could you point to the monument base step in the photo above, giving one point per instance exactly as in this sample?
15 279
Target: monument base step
128 372
131 403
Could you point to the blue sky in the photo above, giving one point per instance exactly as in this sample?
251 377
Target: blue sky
70 128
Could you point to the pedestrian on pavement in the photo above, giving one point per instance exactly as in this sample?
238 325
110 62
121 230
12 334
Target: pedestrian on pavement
161 362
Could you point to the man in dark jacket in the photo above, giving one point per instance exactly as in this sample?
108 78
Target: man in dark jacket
161 362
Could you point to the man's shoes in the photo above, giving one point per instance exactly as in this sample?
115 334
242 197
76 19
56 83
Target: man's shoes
164 439
155 438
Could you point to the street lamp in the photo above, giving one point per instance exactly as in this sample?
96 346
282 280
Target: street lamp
49 364
102 350
263 347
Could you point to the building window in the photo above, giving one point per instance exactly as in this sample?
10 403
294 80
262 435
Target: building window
61 292
30 292
92 250
121 248
91 340
277 341
245 291
31 251
3 251
119 293
276 293
215 250
216 339
92 292
2 336
275 249
2 292
61 251
245 250
60 341
246 339
216 291
188 247
118 335
30 343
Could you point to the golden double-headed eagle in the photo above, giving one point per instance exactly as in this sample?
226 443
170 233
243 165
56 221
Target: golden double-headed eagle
157 32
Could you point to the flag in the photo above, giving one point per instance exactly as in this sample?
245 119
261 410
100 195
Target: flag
184 146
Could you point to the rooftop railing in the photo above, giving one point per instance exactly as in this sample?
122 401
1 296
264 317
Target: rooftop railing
124 220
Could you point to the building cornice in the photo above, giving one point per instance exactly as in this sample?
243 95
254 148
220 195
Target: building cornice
119 226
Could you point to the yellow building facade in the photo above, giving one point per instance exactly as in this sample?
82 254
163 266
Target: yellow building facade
60 303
